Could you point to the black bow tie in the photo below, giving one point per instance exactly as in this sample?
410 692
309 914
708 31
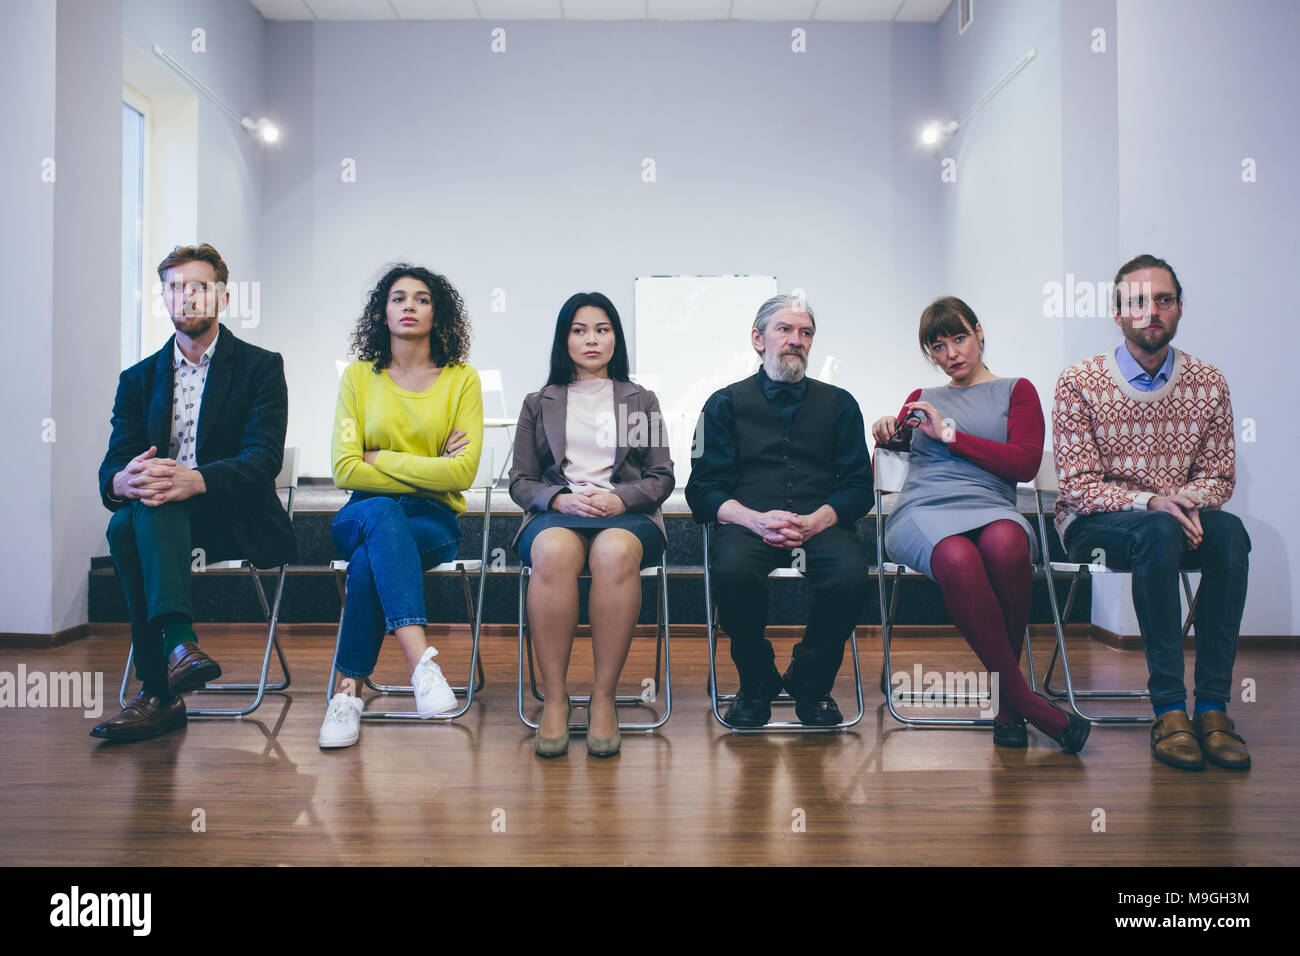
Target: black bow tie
793 390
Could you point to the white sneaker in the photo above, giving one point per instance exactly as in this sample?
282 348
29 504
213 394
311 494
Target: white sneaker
433 695
342 724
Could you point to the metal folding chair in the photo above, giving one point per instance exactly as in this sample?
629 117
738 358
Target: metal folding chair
1046 483
660 574
286 480
784 699
890 470
459 567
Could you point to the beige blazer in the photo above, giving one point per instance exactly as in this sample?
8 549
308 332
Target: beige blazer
643 470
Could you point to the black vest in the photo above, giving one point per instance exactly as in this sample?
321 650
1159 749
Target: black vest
780 469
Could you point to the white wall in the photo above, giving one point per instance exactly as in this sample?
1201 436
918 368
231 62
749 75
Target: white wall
522 171
1186 123
1001 224
27 45
1089 158
216 194
86 329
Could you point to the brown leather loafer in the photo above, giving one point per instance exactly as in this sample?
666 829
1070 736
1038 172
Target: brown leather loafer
1173 742
1220 742
189 669
143 718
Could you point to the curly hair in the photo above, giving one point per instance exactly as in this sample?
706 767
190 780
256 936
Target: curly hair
449 340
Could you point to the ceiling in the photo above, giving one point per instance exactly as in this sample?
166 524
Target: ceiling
859 11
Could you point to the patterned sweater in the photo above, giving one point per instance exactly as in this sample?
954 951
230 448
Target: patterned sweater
1117 447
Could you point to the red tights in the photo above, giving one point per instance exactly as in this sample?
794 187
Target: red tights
987 580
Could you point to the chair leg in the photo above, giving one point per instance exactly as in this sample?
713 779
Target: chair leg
916 698
272 614
261 686
1071 693
466 692
777 726
582 700
279 652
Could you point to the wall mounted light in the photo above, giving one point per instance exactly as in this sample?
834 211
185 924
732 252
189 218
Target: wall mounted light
263 128
936 132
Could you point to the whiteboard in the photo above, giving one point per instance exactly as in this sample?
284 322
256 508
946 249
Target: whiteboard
692 338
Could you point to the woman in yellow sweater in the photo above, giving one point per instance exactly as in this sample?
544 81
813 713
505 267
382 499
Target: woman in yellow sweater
408 431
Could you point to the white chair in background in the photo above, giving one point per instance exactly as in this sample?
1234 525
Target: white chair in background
495 414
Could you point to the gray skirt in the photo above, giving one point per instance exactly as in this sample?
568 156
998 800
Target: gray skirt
646 531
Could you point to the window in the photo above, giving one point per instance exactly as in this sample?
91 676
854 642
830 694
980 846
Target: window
135 123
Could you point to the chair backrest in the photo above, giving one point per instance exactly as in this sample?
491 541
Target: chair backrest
889 469
288 476
486 476
287 479
494 393
1045 480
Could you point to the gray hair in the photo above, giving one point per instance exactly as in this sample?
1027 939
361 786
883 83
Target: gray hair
778 302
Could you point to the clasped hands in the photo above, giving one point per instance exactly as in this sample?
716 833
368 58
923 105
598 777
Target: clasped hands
155 481
589 504
1186 509
785 529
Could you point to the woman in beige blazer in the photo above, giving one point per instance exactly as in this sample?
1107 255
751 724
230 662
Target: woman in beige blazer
591 469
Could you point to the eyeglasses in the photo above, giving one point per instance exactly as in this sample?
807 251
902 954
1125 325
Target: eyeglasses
1164 302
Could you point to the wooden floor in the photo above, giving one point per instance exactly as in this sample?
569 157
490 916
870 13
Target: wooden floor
473 792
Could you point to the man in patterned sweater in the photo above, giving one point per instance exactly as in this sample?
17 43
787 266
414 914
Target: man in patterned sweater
1146 460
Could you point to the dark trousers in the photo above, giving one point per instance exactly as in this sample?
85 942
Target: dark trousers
1151 544
836 571
153 551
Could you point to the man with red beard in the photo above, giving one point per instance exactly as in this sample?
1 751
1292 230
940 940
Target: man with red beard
198 440
1146 459
783 465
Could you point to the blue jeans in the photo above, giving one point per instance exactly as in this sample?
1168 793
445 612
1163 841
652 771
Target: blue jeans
1151 544
388 542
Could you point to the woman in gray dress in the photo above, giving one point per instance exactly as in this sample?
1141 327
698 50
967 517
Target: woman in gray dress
956 521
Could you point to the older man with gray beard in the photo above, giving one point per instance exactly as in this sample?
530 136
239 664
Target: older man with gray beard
783 465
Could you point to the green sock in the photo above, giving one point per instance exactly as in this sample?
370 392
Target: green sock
177 629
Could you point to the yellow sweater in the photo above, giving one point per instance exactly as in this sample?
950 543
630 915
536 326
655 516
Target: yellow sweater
410 430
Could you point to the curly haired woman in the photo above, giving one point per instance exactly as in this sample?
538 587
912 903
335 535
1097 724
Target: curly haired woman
408 431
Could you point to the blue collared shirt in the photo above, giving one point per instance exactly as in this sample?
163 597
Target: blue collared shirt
1137 376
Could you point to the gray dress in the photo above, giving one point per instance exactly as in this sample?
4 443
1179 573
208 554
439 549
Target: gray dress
944 494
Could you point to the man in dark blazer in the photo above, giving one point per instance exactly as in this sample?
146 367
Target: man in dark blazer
198 440
783 465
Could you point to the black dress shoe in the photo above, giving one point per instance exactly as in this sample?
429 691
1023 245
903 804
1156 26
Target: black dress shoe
144 718
753 704
1013 734
749 709
188 668
1076 731
812 708
818 711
